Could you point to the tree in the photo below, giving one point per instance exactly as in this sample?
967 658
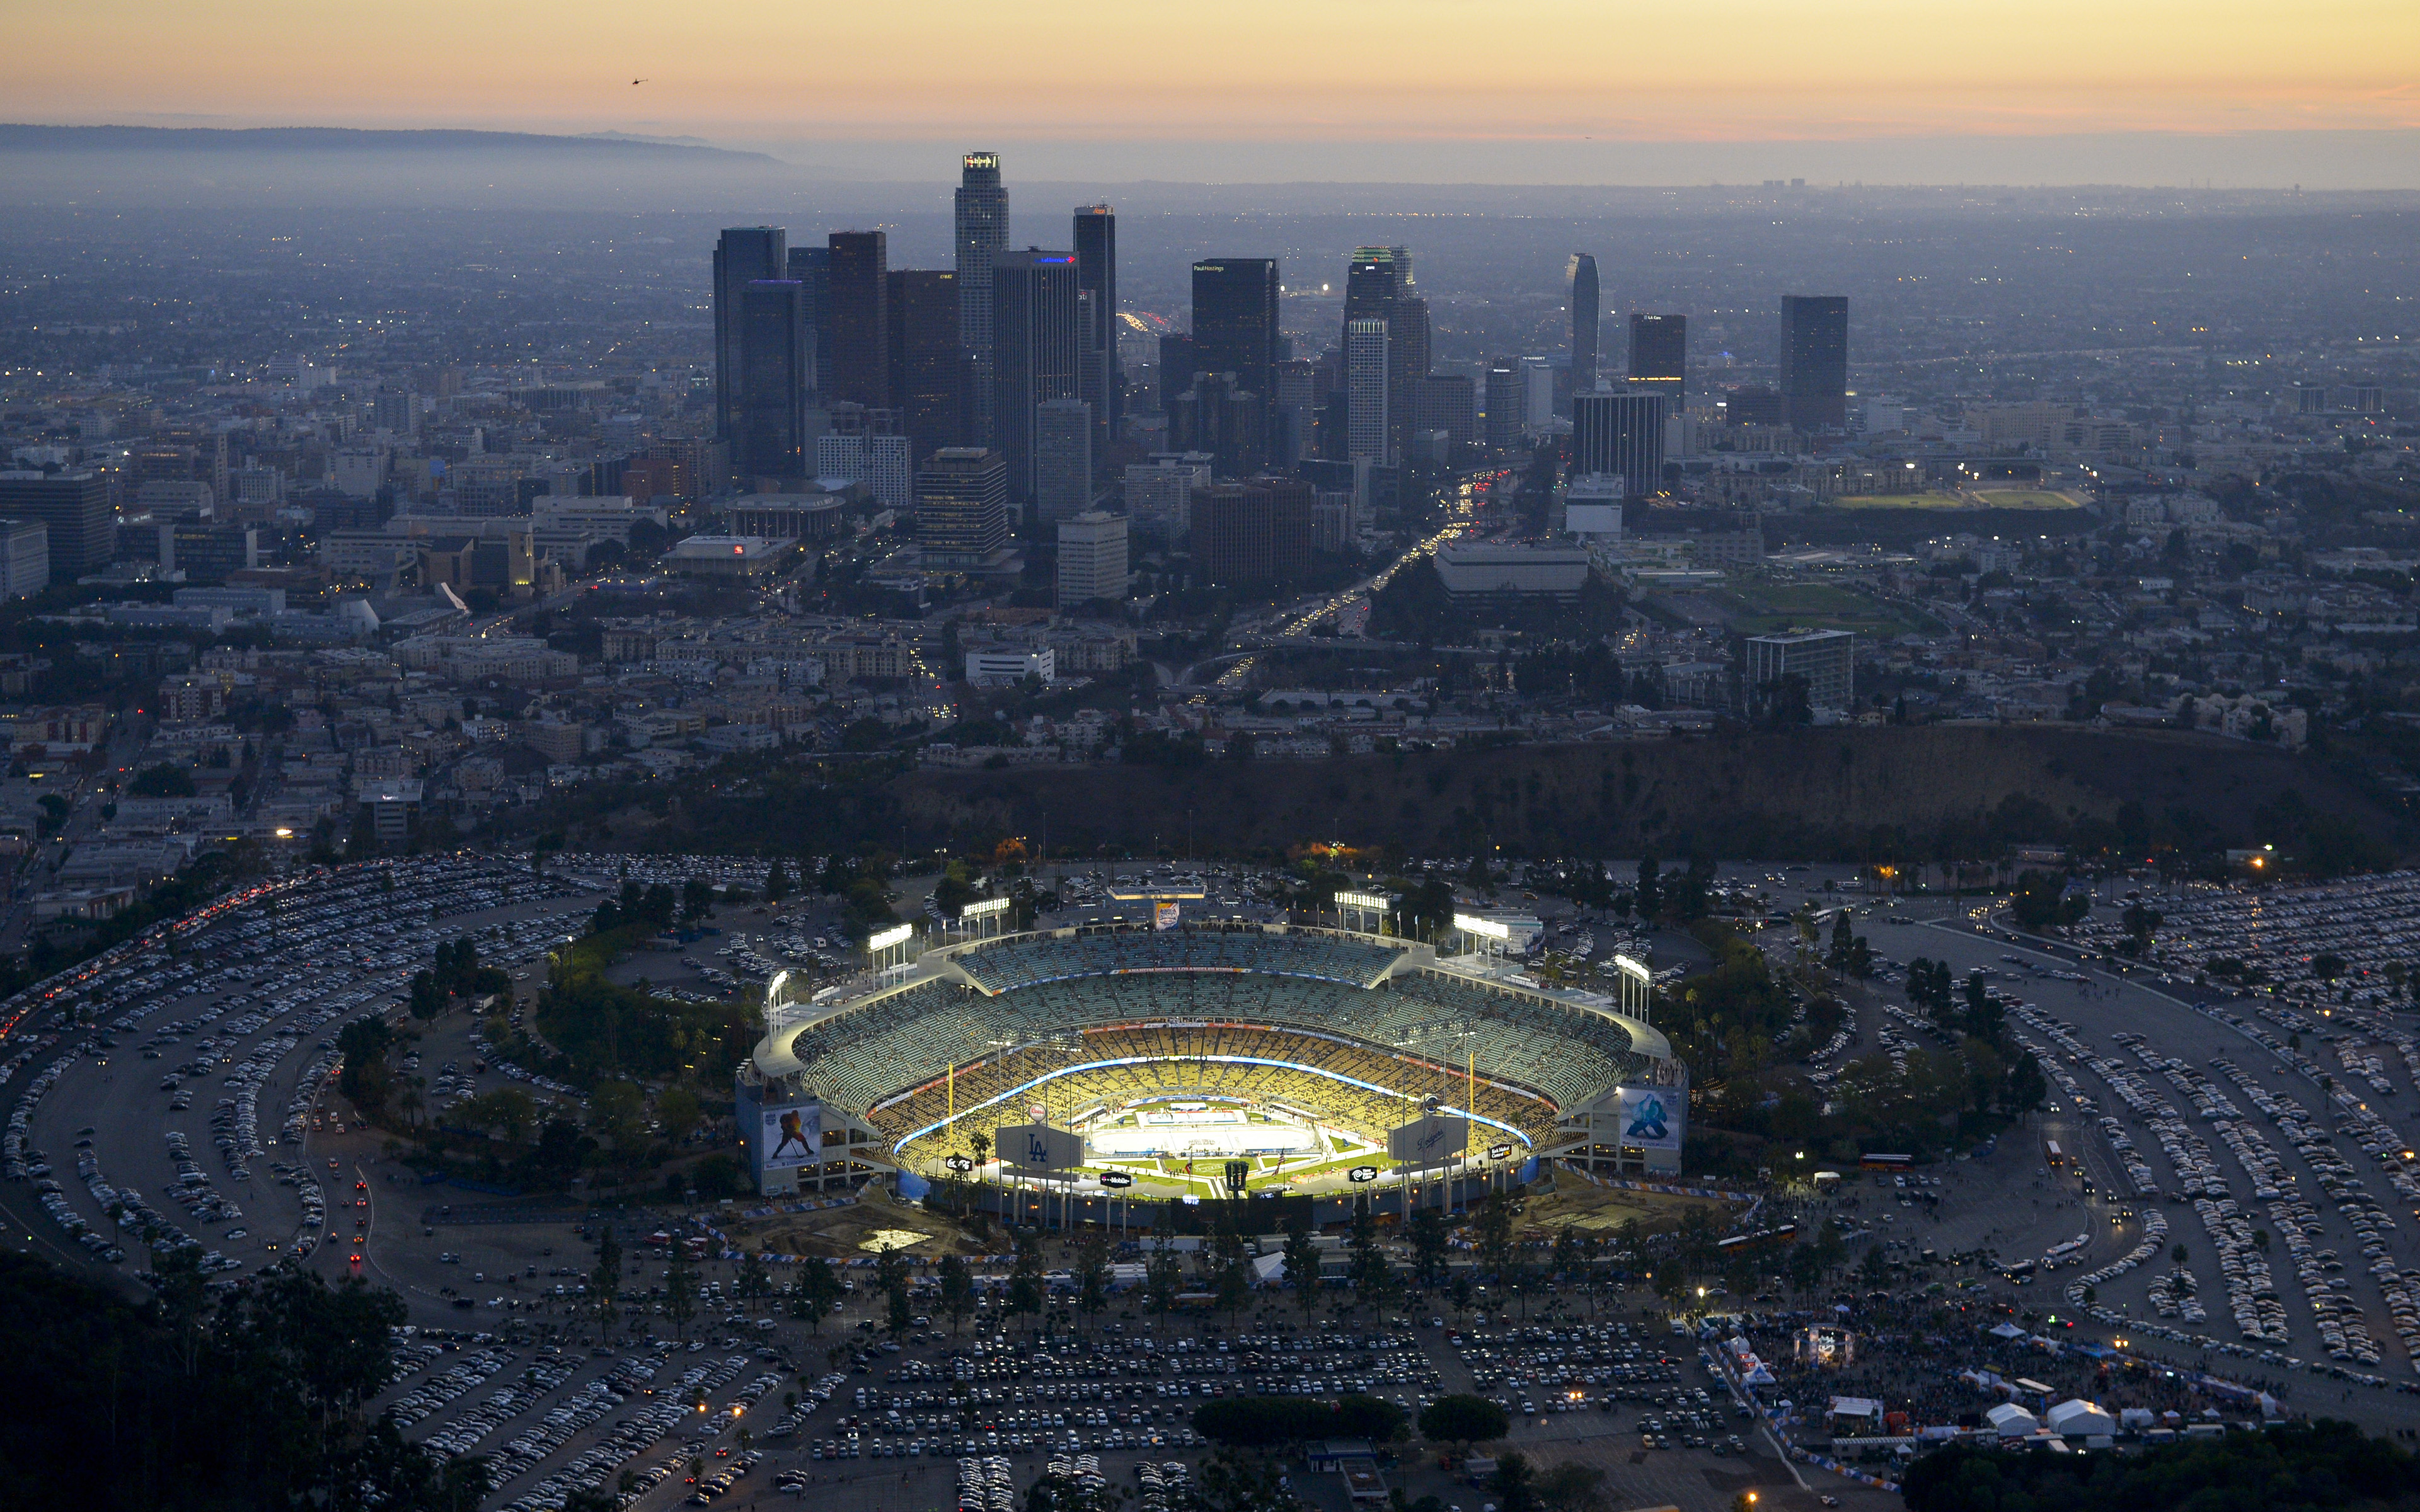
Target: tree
753 1283
1026 1288
677 1111
1232 1482
1648 897
1495 1234
680 1290
696 898
1092 1273
1163 1274
957 1290
815 1292
1428 1235
427 1000
1301 1257
1514 1490
1463 1419
605 1282
777 882
1569 1487
1366 1263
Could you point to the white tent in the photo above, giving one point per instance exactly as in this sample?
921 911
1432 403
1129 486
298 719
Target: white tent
2076 1417
2013 1421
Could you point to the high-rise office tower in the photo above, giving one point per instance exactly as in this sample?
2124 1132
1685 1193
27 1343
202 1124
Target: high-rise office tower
1092 558
1256 533
928 374
1062 459
858 322
1815 360
1659 357
1620 433
1407 365
777 364
743 255
1588 310
1508 410
1096 274
982 206
1236 322
1365 389
962 506
74 507
811 268
1176 369
1036 349
1221 419
1290 413
1369 284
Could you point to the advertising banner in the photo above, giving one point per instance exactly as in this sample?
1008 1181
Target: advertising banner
1650 1117
1430 1141
1163 915
791 1137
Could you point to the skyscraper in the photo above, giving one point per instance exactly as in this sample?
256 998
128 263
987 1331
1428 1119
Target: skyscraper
982 206
777 363
1587 312
1177 368
1365 389
1815 360
1620 433
1035 351
1369 284
743 255
1097 273
927 370
1236 322
857 324
1063 460
962 506
1092 558
1508 413
1659 356
75 508
811 267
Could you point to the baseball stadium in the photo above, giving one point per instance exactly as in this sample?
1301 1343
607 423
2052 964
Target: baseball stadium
1173 1064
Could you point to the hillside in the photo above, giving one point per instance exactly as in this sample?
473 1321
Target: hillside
1910 793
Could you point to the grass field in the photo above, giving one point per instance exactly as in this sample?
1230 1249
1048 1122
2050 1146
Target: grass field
1980 498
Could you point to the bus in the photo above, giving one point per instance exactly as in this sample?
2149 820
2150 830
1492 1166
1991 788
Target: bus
2052 1153
1739 1243
1885 1162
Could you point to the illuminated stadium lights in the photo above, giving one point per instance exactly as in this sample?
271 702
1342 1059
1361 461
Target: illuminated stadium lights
900 934
1473 924
1637 989
984 909
1633 968
1377 901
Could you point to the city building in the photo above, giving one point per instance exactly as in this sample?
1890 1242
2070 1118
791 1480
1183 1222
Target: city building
1096 278
928 368
1062 459
994 665
1824 661
1221 419
743 255
776 365
1037 347
810 267
1496 569
1592 506
865 446
856 321
1092 558
1447 402
24 558
745 558
1508 407
1176 369
1587 314
1236 323
1659 357
1619 432
73 508
1160 496
981 206
1365 389
962 506
1815 360
1256 534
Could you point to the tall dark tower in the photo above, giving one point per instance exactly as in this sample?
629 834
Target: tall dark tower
1659 357
744 255
1036 350
1096 274
1235 324
982 232
1620 433
858 323
1815 360
777 366
811 267
928 371
1587 312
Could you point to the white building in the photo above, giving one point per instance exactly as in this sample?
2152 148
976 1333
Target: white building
1091 557
1592 507
1011 664
1488 567
883 463
1365 385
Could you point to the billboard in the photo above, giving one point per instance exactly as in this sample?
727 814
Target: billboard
790 1137
1163 915
1649 1117
1430 1141
1037 1146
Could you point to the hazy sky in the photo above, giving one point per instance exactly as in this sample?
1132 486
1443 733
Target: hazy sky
1286 85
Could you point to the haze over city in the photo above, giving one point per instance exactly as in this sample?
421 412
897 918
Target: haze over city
1259 759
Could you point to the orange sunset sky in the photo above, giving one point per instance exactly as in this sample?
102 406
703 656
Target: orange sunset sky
1282 75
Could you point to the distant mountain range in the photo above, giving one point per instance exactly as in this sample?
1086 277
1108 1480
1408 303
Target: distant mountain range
335 139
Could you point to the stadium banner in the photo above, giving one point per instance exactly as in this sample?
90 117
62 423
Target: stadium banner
1430 1141
1037 1146
790 1137
1650 1117
1163 915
